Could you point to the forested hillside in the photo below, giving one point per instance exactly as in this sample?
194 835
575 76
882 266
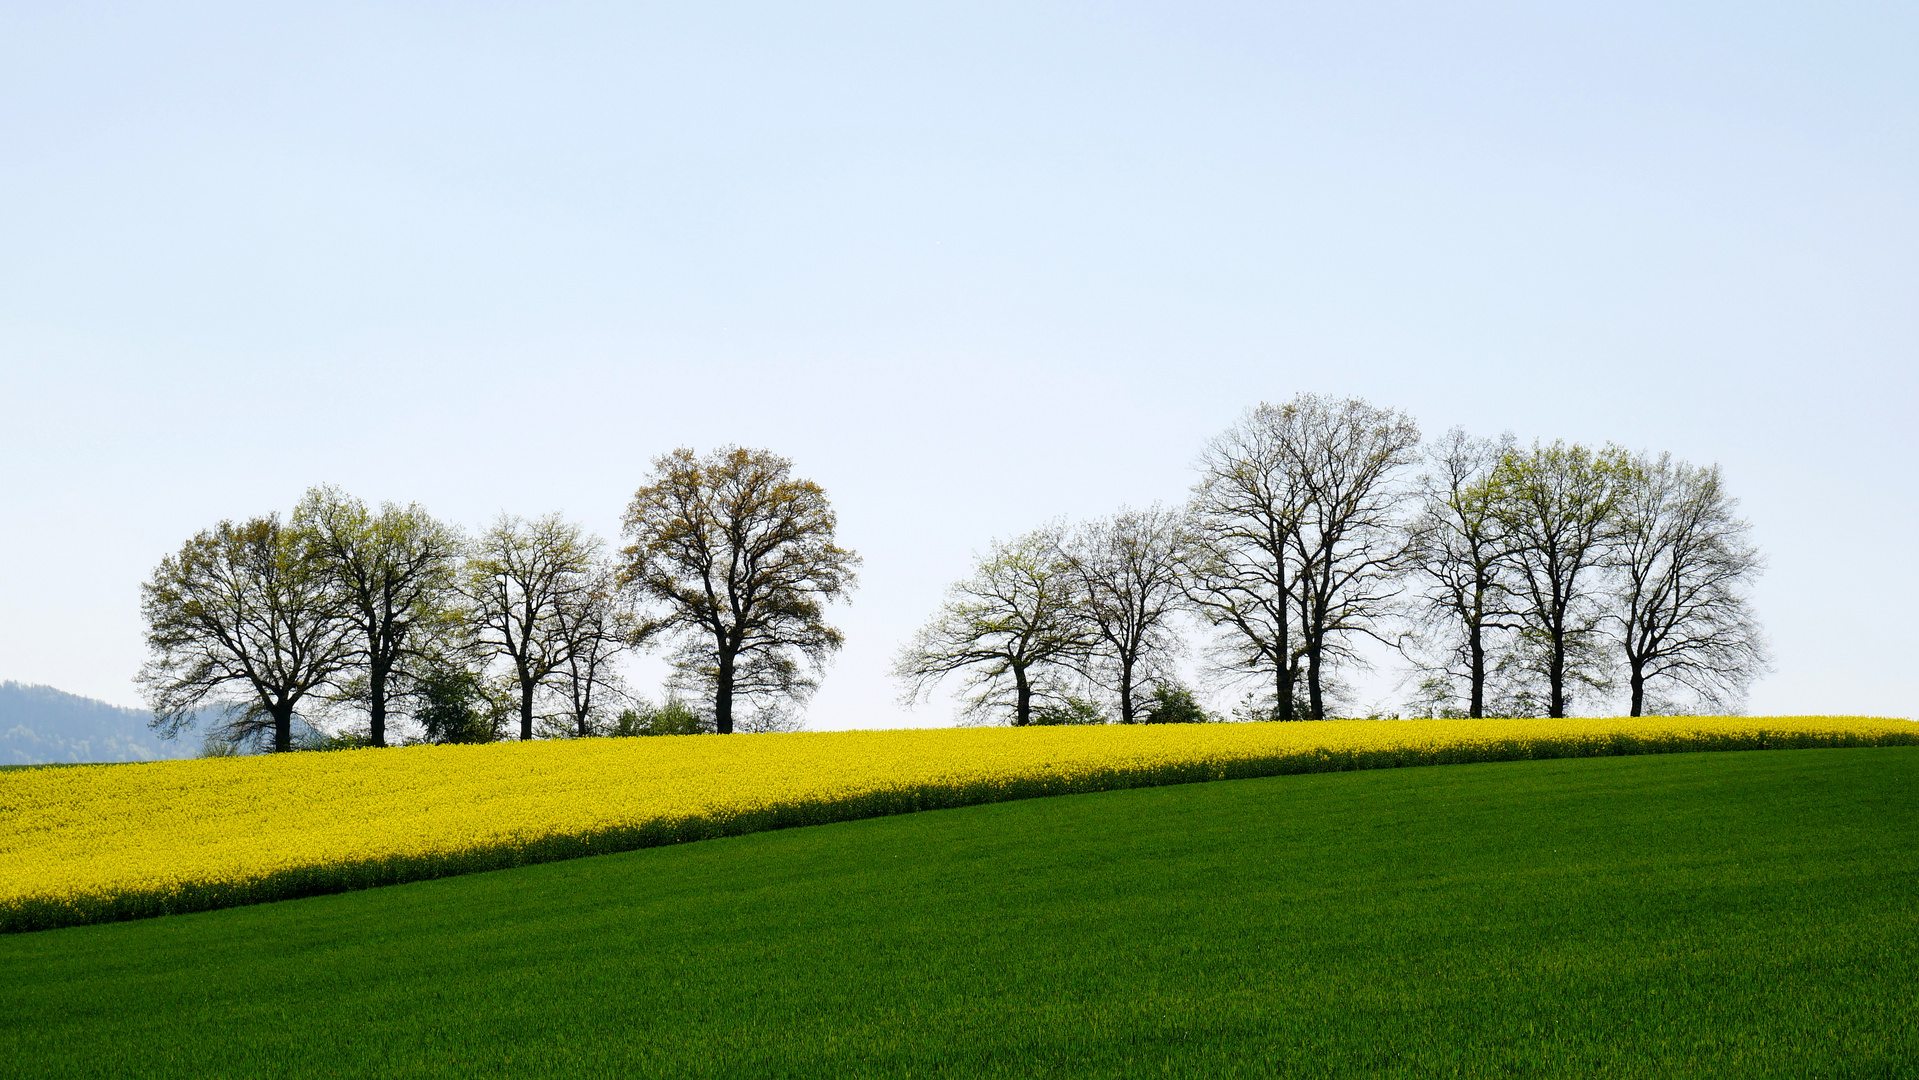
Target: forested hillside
40 725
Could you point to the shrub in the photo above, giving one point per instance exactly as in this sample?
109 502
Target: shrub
1174 704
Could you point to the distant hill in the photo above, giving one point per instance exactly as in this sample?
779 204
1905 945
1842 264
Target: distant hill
40 725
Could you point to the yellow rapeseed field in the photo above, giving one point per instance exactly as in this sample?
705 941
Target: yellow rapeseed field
107 842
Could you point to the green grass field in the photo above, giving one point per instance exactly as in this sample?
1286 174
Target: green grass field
1723 915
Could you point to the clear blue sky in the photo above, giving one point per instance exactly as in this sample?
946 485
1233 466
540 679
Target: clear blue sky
971 266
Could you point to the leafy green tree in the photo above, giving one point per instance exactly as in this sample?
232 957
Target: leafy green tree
1013 629
1069 709
1171 703
673 717
1559 504
241 618
455 705
397 573
738 559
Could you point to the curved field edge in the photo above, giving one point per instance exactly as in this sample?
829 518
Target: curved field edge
29 913
1623 918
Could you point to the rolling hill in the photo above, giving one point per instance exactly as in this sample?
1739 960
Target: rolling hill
1684 915
40 726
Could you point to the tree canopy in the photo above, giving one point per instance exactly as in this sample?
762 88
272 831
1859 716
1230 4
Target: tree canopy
242 618
737 559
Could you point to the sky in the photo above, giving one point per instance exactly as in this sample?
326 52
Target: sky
971 267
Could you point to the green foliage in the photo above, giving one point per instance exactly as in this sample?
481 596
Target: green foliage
241 620
1069 709
739 559
457 706
1174 704
394 573
1656 917
1558 505
675 717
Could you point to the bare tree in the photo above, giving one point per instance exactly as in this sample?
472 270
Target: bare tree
1245 511
1345 453
1011 628
1557 504
521 580
1680 608
241 617
740 555
1131 573
1296 549
397 572
596 634
1461 551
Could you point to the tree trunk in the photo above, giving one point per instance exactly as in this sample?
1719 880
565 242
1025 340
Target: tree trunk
526 710
1126 690
1284 676
1023 698
1315 699
376 708
282 727
1556 677
1476 674
723 693
1638 689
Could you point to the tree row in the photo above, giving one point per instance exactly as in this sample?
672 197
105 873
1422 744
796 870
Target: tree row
391 613
1513 580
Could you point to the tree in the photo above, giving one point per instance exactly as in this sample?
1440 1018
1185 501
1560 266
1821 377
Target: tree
522 580
1460 548
595 633
1680 610
739 556
241 617
1131 578
1294 523
1557 504
1068 710
1012 627
1345 453
674 717
454 704
1174 704
397 573
1245 510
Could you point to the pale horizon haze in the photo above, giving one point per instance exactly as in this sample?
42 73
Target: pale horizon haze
970 267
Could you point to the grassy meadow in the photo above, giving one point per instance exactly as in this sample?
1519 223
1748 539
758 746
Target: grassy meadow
1677 915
